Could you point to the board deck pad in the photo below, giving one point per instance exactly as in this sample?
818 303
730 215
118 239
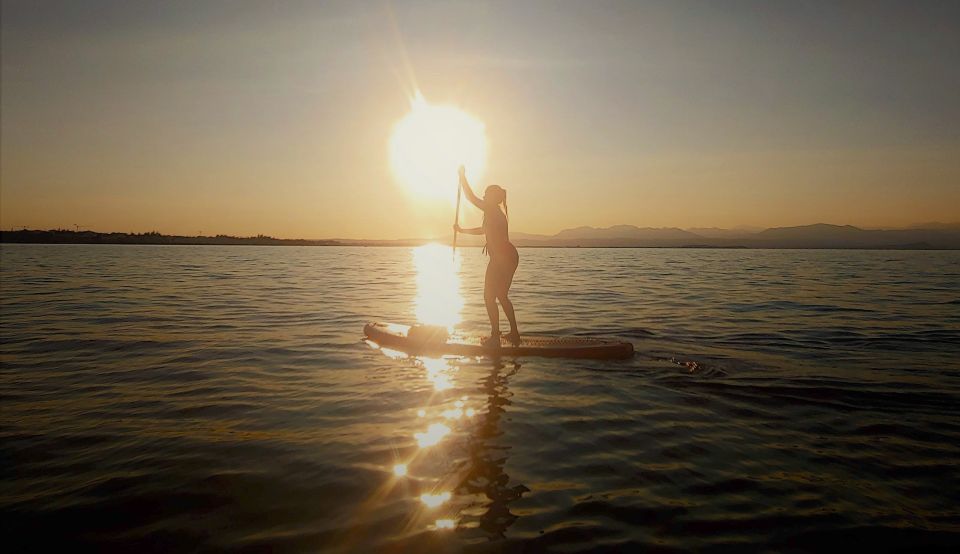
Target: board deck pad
434 341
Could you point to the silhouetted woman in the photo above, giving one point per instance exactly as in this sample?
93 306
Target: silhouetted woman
504 257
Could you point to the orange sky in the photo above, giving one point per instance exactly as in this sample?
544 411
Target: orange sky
246 119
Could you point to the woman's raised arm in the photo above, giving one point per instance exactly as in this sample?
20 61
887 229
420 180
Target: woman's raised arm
467 190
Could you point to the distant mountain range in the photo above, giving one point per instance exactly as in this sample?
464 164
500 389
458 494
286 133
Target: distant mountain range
821 235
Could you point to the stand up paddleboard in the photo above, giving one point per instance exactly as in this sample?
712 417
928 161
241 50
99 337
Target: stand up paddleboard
428 340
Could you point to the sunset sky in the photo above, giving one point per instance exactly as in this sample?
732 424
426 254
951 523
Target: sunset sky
275 117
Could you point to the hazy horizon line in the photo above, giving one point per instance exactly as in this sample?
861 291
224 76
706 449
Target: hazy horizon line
941 225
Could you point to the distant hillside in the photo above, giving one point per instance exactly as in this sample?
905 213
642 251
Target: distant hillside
626 232
937 225
820 235
846 236
717 233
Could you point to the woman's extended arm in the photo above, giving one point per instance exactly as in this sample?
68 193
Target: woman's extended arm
471 231
468 191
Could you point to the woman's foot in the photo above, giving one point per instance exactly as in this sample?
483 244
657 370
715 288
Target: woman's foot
492 341
513 337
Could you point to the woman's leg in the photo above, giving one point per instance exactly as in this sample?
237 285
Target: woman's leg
490 298
503 291
508 310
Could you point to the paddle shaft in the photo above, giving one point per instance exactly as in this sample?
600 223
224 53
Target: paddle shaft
456 221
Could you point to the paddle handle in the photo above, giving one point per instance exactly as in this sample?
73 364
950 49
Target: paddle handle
456 221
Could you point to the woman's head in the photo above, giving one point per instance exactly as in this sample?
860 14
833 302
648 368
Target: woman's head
495 194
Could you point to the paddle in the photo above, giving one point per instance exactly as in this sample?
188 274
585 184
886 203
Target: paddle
456 221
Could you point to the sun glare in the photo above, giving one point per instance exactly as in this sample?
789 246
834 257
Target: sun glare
438 300
430 143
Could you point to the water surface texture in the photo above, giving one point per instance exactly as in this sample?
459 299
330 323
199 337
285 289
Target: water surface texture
204 398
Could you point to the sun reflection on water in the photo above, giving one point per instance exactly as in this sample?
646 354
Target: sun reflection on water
438 300
444 471
445 412
434 434
439 372
444 524
453 414
434 500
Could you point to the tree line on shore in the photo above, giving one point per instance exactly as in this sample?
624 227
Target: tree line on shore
66 236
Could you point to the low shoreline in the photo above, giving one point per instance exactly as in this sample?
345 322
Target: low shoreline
63 236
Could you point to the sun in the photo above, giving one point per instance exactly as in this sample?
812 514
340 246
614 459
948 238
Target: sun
430 143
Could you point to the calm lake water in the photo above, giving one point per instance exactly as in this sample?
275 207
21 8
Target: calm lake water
203 398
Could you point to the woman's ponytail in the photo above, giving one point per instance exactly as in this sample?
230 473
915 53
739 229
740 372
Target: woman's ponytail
506 210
